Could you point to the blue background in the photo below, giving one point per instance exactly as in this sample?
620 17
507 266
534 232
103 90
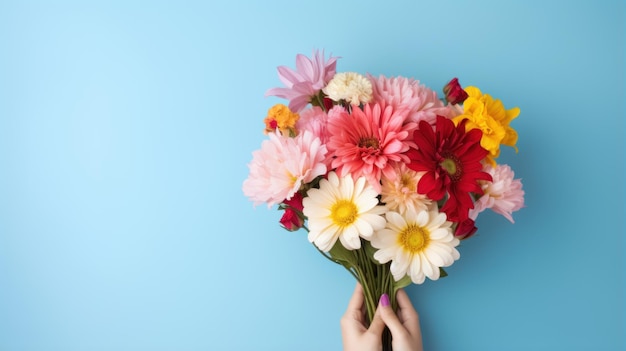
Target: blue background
125 133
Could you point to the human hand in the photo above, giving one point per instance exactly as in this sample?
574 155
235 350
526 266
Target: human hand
404 326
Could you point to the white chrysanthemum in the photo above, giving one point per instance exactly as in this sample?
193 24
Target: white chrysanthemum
399 192
342 209
351 87
417 244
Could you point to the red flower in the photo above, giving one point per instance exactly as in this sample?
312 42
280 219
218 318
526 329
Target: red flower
465 229
295 202
454 93
291 220
451 158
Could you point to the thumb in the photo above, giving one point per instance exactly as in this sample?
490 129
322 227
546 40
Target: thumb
377 325
390 318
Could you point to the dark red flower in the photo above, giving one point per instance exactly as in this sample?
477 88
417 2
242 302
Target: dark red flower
465 229
328 104
451 158
454 93
293 218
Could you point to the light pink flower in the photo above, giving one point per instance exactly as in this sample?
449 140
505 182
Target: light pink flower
282 166
366 141
504 195
310 76
421 103
399 192
314 120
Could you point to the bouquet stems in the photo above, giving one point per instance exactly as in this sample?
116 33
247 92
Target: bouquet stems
375 278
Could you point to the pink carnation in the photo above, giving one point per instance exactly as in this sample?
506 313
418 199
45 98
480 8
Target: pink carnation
503 195
310 76
282 166
314 120
367 141
421 102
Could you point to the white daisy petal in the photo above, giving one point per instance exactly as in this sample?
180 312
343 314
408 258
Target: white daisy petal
334 212
417 242
385 255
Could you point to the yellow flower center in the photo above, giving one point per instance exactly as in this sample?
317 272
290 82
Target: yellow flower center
407 182
414 238
344 213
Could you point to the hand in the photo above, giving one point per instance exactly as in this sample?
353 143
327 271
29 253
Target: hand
404 326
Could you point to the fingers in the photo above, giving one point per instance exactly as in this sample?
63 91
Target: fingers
356 301
377 325
407 313
390 318
352 320
409 317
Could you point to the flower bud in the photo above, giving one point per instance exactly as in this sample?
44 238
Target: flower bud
291 220
454 93
465 229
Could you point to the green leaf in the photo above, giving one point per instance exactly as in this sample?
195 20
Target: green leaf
442 273
369 250
404 282
343 255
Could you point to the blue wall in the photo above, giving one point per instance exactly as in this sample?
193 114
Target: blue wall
126 128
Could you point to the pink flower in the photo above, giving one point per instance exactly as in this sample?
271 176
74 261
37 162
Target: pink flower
399 192
282 166
367 141
421 103
314 120
503 195
310 76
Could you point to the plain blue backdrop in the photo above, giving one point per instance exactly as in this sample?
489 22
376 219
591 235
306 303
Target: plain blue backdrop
125 132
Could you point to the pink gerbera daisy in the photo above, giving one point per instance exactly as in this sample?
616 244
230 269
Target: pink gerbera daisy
282 166
420 101
451 158
310 76
503 195
366 141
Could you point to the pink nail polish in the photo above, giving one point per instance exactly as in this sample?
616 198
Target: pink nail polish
384 300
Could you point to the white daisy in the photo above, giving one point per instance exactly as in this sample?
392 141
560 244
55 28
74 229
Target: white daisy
351 87
342 209
417 244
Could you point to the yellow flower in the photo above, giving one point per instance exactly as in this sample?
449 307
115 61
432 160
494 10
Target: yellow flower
281 117
489 115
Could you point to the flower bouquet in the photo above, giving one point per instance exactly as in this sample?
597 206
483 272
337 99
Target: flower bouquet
385 176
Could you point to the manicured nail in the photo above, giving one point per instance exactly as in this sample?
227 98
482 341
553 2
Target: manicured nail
384 300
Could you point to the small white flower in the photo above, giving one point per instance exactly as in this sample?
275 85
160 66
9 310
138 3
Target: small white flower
417 244
342 209
351 87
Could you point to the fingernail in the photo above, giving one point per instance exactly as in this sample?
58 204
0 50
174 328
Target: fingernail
384 300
